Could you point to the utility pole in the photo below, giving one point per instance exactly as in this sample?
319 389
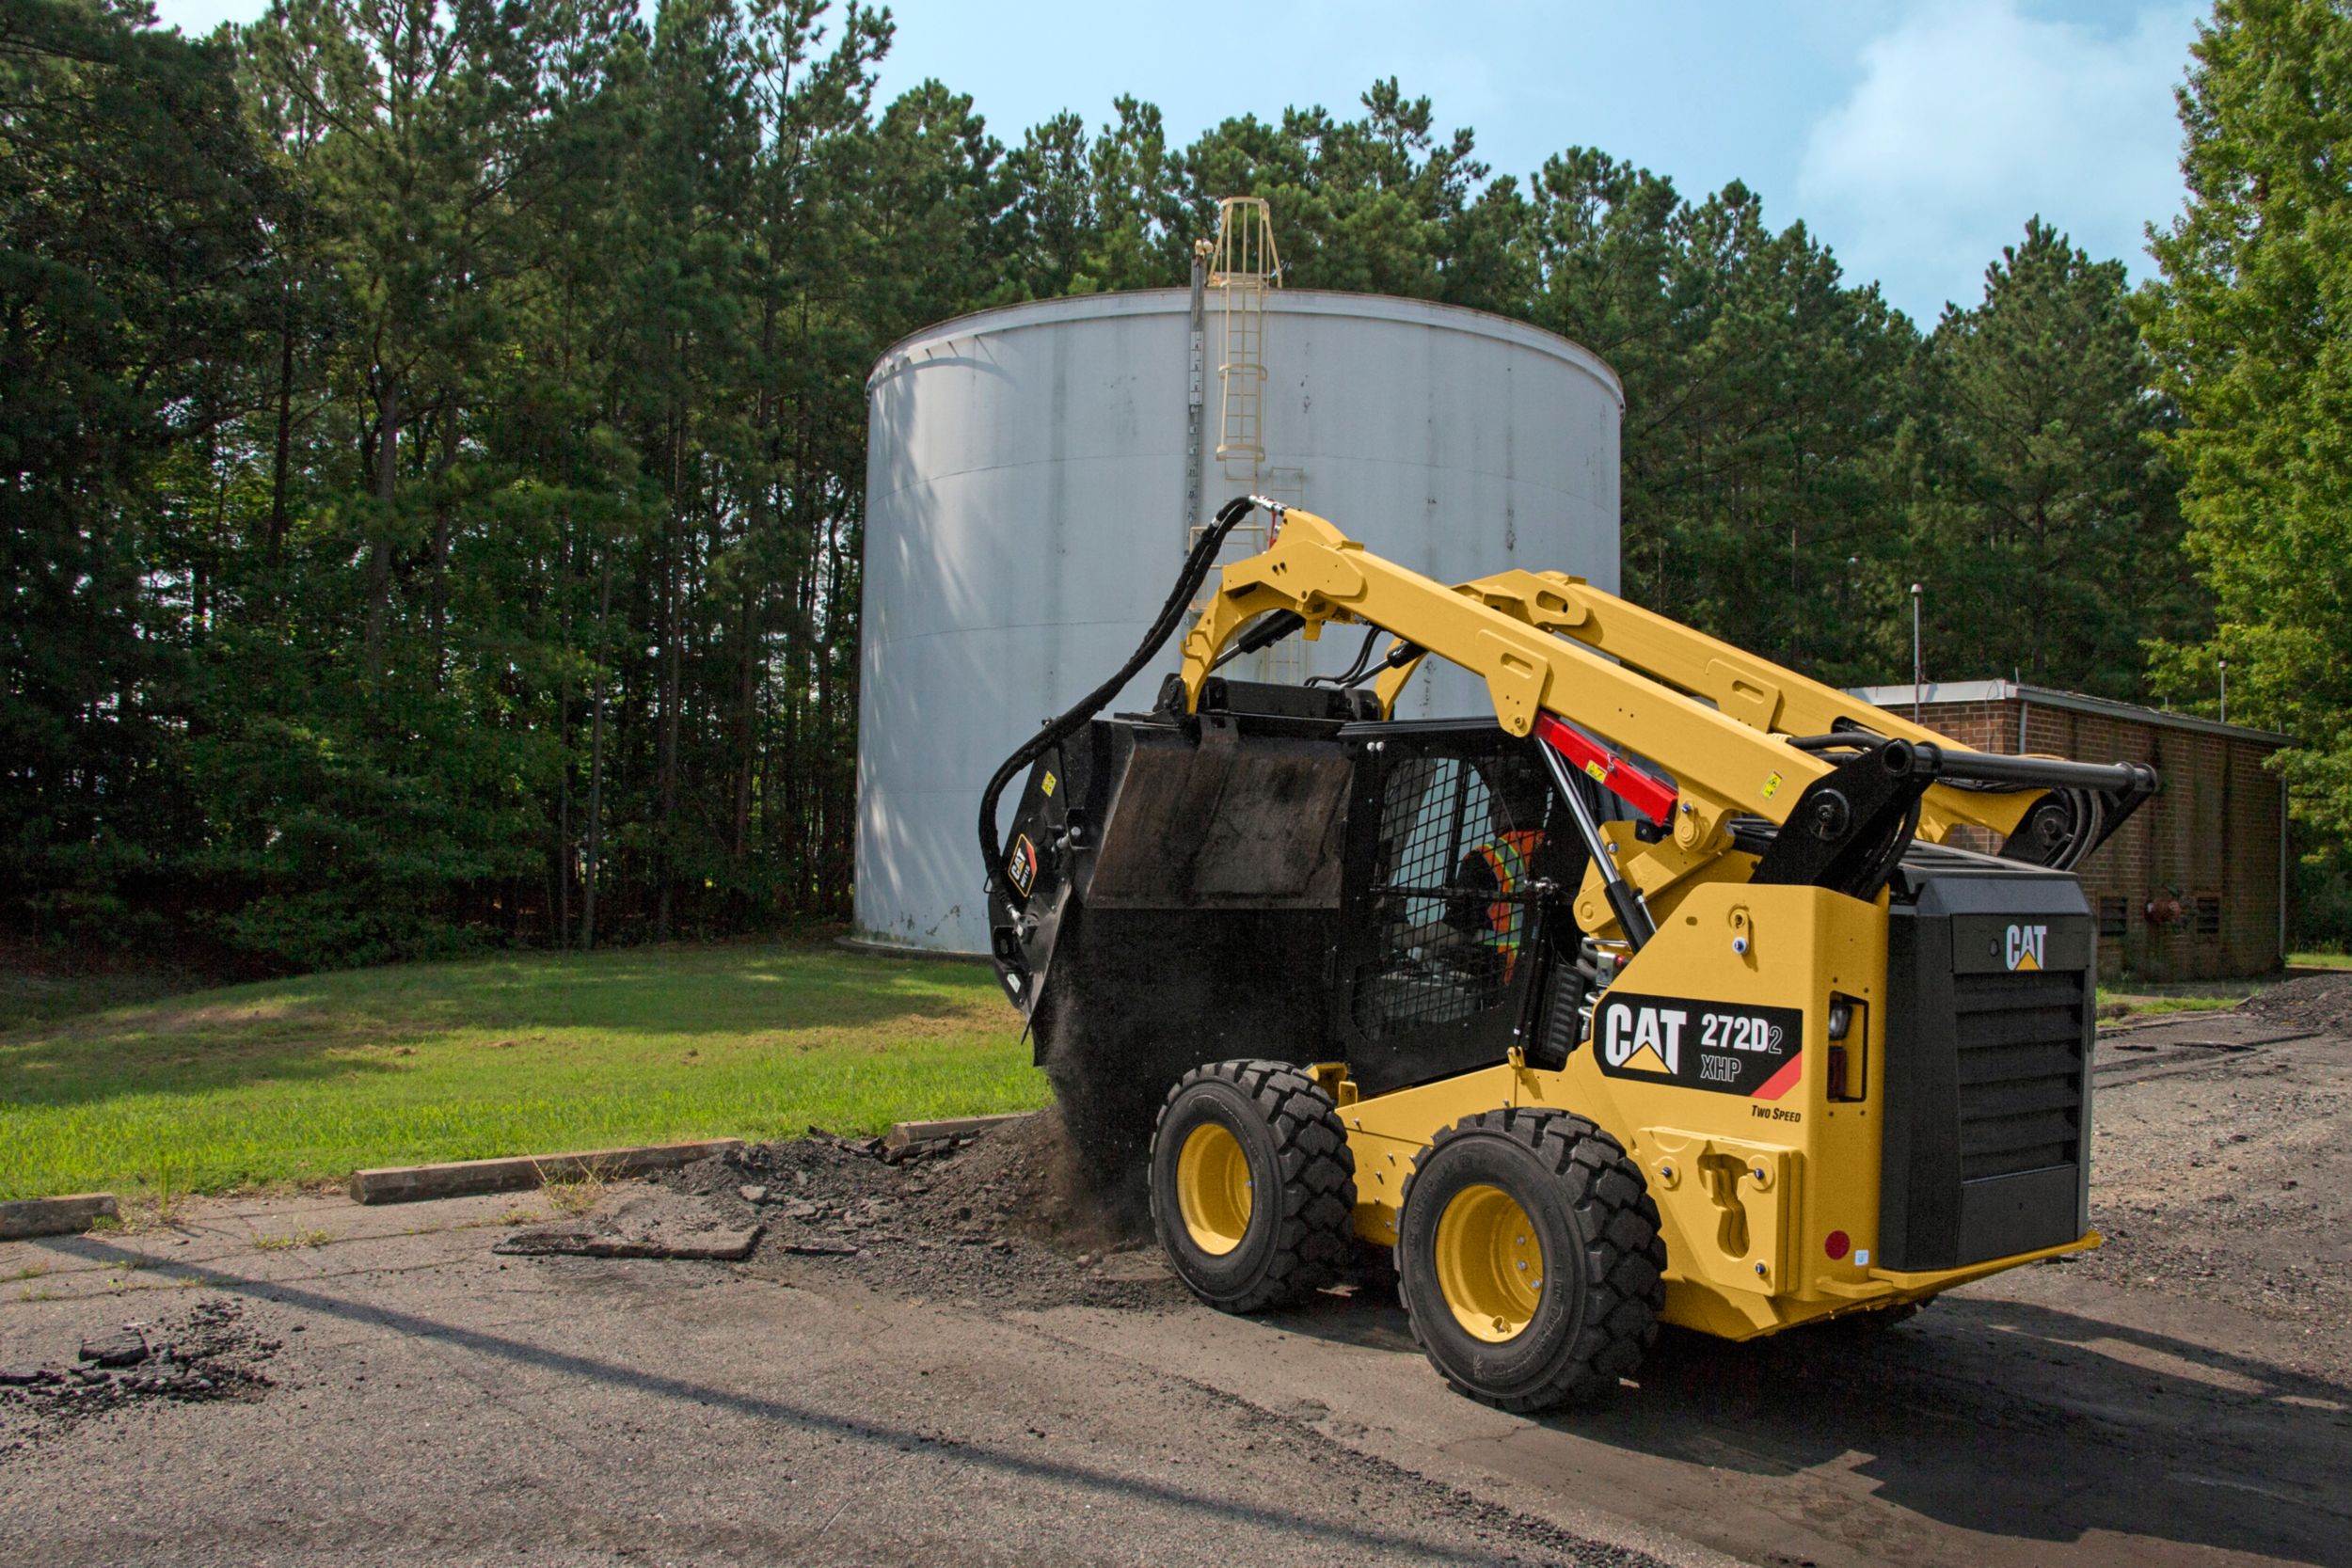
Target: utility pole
1916 696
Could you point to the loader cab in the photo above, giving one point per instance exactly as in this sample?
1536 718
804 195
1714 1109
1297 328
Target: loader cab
1282 873
1459 868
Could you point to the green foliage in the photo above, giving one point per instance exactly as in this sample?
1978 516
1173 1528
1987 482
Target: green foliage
2322 901
2251 323
2045 525
1761 398
129 194
434 438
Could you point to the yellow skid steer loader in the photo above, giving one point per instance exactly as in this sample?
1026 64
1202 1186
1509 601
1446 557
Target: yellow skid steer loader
1662 994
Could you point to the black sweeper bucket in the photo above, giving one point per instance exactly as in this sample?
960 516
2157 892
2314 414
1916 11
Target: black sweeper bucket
1169 894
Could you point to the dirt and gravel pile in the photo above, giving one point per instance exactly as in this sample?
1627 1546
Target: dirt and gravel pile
1000 1219
2320 1003
207 1353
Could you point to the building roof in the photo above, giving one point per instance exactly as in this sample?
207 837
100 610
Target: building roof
1899 698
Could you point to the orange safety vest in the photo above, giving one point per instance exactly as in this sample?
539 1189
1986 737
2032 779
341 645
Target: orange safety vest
1507 855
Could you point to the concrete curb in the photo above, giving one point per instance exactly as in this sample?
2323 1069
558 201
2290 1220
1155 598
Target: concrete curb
903 1133
55 1217
466 1178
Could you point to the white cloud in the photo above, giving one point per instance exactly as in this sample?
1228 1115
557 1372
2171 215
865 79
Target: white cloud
1970 118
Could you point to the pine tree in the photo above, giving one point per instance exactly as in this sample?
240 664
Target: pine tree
131 267
2047 531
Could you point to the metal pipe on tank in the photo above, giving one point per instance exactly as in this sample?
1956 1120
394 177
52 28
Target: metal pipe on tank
1196 396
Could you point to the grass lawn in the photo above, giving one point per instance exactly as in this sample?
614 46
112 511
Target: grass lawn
305 1079
2142 1003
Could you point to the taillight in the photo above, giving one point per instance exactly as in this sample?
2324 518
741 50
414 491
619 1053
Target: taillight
1845 1077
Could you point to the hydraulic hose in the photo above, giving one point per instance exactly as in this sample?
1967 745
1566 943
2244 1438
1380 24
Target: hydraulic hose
1171 615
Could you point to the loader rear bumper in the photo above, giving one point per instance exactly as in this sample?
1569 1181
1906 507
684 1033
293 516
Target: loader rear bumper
1900 1285
1700 1308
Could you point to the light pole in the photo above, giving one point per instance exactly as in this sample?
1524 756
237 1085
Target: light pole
1916 693
2225 689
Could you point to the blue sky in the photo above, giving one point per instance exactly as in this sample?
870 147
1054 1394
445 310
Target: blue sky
1915 136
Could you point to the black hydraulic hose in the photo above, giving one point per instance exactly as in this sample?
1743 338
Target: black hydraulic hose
1356 671
1189 581
1625 900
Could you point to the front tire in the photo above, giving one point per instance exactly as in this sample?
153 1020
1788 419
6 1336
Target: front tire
1253 1188
1530 1260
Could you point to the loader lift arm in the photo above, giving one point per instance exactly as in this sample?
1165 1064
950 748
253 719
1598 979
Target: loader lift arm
1845 785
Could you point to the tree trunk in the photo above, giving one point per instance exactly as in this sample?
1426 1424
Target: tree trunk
745 728
380 549
564 747
563 922
666 736
282 458
439 614
595 769
752 663
834 871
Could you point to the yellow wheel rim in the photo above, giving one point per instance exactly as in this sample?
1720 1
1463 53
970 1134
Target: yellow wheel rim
1212 1189
1490 1263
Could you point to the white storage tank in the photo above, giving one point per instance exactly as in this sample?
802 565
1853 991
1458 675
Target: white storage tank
1026 513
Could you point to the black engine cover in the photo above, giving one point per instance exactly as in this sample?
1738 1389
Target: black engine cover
1991 975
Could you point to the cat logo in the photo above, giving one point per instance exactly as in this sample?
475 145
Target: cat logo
2027 947
1646 1039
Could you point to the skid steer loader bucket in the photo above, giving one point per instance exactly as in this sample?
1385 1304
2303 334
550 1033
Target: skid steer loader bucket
1231 822
1170 895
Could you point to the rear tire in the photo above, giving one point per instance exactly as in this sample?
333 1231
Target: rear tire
1530 1260
1253 1187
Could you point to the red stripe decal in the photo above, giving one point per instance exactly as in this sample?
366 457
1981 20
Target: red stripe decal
1782 1082
1653 797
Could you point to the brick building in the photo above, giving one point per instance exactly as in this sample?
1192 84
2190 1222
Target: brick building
2194 886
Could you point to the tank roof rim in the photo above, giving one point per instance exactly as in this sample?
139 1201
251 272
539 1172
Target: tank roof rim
1400 308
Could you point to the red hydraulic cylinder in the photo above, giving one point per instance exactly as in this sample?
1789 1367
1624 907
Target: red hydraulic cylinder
1646 792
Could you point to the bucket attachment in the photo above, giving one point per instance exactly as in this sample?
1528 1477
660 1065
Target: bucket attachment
1171 895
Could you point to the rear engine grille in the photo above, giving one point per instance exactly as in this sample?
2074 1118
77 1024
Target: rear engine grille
2021 1071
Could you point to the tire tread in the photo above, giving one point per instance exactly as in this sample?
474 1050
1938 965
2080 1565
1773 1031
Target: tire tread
1312 1244
1625 1254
